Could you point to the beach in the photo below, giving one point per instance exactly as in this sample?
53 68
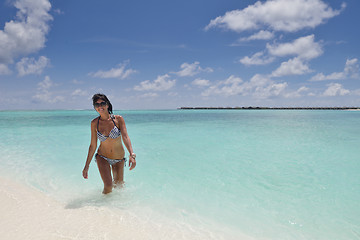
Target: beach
27 213
200 174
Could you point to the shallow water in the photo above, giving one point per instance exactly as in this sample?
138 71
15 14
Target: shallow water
267 174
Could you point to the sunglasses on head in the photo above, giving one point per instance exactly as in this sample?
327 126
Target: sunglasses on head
101 104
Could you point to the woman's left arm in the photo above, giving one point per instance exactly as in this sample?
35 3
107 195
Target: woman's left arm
127 142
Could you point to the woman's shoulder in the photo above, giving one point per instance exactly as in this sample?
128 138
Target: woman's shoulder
119 118
94 120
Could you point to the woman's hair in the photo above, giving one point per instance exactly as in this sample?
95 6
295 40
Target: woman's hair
98 96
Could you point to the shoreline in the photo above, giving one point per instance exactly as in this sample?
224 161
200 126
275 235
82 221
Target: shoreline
27 213
270 108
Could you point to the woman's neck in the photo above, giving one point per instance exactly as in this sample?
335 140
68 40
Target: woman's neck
105 116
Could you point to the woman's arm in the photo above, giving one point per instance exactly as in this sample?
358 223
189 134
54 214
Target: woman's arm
127 142
92 148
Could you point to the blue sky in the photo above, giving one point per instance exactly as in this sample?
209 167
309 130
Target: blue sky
166 54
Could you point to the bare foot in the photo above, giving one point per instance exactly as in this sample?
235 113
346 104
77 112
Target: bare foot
119 184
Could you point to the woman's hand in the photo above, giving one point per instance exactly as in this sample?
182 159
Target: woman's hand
132 162
85 172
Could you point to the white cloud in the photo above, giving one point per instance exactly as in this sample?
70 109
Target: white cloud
278 15
335 89
303 47
79 92
261 35
162 83
31 66
200 82
351 70
297 93
4 70
263 87
228 87
149 95
302 89
43 93
77 82
332 76
259 86
58 11
117 72
257 59
191 69
293 66
26 34
46 84
274 89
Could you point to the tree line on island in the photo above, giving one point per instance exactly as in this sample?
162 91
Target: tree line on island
269 108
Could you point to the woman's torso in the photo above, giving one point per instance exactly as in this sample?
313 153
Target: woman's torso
111 147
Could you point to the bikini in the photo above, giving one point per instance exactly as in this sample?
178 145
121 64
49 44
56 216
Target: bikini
114 133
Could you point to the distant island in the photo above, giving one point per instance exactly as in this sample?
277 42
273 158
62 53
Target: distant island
269 108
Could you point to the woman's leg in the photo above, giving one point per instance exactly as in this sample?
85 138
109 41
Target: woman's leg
105 172
118 172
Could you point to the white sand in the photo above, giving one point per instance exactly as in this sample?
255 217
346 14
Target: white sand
27 213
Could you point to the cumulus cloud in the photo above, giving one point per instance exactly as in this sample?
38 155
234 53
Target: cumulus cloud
31 66
259 86
261 35
351 70
162 83
46 84
117 72
201 82
332 76
79 92
335 89
303 47
278 15
25 34
228 87
293 66
44 94
149 95
257 59
264 87
297 93
191 69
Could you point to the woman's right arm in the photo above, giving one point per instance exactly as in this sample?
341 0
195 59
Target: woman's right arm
92 149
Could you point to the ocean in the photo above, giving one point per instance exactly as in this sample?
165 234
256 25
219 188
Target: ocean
212 174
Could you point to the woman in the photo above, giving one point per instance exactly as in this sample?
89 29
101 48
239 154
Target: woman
109 129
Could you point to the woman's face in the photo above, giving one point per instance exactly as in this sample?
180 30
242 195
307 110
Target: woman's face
101 106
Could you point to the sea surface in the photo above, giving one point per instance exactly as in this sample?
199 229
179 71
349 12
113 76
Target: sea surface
222 174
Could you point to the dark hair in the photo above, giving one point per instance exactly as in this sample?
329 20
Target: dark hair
98 96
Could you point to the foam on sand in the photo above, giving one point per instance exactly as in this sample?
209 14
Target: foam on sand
27 213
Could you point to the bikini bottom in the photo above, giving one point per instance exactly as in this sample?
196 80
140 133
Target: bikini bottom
111 161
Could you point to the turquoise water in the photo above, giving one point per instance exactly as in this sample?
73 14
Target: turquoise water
266 174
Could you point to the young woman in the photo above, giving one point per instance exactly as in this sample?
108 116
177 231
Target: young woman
109 129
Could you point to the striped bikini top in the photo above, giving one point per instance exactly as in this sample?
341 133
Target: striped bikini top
114 133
